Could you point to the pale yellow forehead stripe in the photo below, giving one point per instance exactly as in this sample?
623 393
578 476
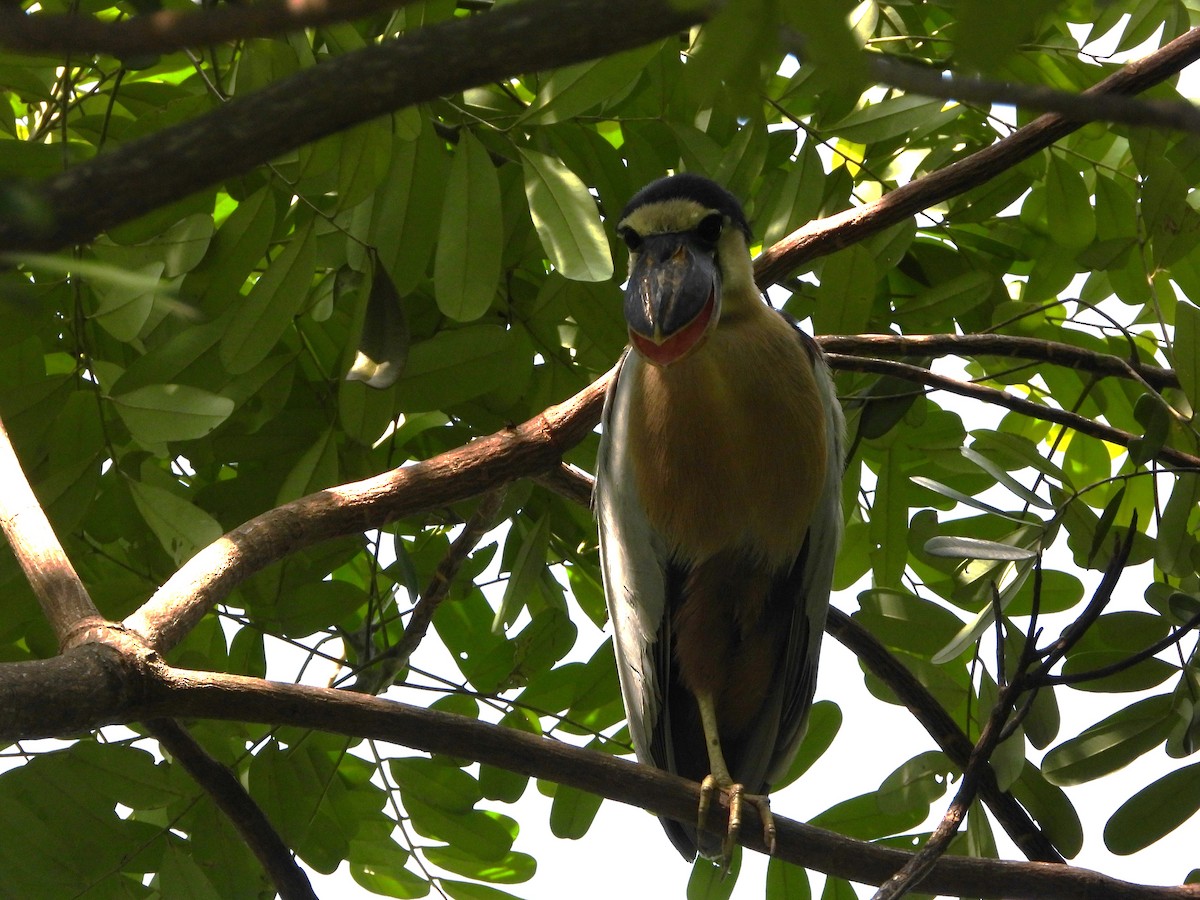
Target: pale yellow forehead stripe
677 214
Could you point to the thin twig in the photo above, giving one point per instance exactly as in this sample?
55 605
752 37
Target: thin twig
1007 345
380 671
1178 115
1129 662
922 862
944 730
1100 598
243 813
1082 424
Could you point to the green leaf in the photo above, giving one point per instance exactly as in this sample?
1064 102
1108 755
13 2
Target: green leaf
847 292
466 267
1173 549
1186 356
916 784
904 620
1154 416
181 876
1154 811
798 199
861 817
236 248
513 868
465 890
1002 477
407 209
1050 808
955 547
565 216
317 468
365 151
1111 743
526 571
488 834
259 320
572 812
1068 205
159 413
460 364
824 722
573 90
126 773
838 889
124 309
710 880
1142 676
379 866
786 881
891 118
436 782
181 527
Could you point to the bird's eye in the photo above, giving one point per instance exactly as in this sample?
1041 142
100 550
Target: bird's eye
632 239
710 227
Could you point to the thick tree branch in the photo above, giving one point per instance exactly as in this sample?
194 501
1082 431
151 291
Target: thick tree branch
63 598
1167 455
243 813
843 229
151 172
161 691
167 31
528 449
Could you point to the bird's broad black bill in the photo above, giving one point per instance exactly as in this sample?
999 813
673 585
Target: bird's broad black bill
672 296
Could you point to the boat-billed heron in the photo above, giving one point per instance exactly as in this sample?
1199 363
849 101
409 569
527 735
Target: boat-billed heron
719 506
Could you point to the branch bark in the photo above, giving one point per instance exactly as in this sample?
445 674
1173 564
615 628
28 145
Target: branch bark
243 813
945 732
63 598
128 690
834 232
167 31
160 168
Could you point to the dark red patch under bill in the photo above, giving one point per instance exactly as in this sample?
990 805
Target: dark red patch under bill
677 345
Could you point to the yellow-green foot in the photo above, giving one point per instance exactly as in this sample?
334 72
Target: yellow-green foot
737 796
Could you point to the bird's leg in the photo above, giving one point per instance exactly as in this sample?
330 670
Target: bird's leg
719 778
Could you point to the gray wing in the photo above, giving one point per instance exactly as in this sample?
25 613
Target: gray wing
811 579
633 565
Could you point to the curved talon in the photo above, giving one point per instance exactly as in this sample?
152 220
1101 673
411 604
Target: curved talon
762 803
736 793
707 787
